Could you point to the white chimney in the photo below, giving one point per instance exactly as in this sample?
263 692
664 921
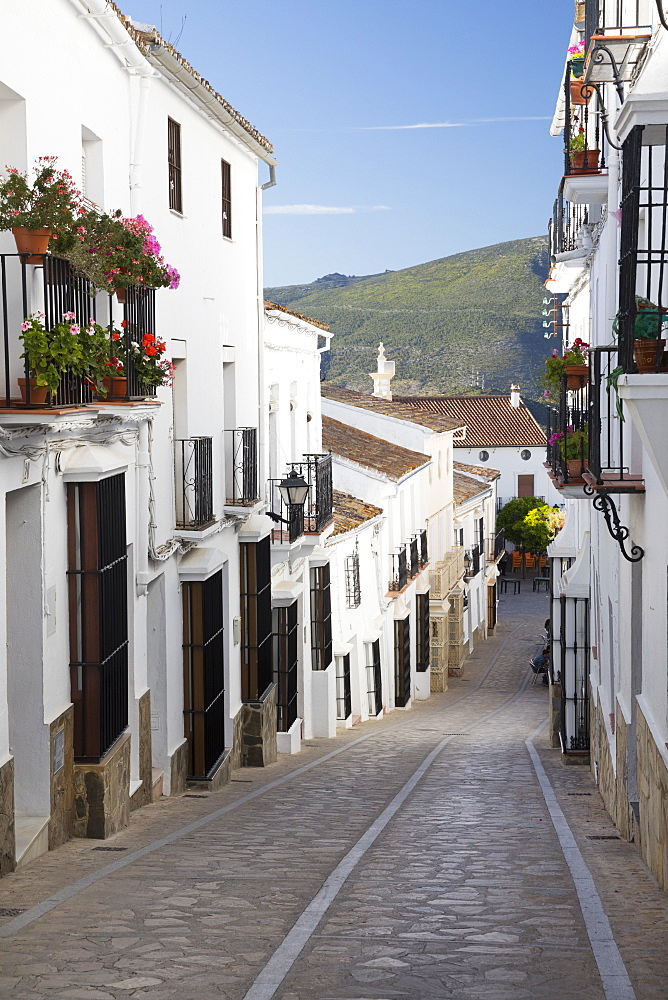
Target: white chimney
382 377
515 400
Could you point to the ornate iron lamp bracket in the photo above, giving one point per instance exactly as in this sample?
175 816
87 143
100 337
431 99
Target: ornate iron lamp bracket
662 16
617 530
604 115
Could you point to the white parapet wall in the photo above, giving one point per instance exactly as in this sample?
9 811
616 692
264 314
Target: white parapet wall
323 705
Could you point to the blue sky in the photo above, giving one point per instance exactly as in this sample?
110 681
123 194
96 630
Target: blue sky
328 84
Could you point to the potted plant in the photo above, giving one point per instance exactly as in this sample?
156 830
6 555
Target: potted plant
49 354
648 345
36 211
114 252
573 447
583 160
573 364
576 55
145 358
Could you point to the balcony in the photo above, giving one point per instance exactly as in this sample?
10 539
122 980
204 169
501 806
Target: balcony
472 562
446 574
616 33
414 557
51 287
424 549
193 461
399 572
241 467
609 464
317 513
496 546
567 436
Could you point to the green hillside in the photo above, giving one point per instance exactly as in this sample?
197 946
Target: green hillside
474 311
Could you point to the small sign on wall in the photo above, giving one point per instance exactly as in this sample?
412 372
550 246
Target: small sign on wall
58 751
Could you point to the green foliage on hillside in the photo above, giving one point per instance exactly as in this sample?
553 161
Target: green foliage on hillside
474 311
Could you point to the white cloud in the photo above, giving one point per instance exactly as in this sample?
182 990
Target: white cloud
474 121
321 209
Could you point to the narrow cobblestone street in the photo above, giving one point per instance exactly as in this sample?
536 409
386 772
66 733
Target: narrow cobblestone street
458 888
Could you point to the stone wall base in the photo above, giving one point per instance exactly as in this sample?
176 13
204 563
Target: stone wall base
178 769
102 793
258 730
7 840
220 777
144 794
653 802
555 714
61 737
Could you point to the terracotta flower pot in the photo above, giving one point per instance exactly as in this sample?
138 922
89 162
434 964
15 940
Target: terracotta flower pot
585 162
38 393
575 467
576 376
580 94
646 354
116 386
32 241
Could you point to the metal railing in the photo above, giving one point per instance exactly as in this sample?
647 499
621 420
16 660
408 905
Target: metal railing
582 120
52 288
291 526
414 557
616 17
424 549
447 573
241 468
473 557
608 462
568 430
319 506
565 225
399 574
193 460
496 546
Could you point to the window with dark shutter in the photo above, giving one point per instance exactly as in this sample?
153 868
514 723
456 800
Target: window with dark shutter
226 187
255 586
344 705
285 665
422 644
98 601
203 674
321 618
174 160
374 678
402 662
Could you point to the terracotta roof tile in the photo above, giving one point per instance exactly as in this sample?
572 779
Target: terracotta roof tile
349 512
369 451
434 420
464 488
143 39
307 319
491 422
477 470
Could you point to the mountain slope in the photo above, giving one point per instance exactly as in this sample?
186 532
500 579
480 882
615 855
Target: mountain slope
474 311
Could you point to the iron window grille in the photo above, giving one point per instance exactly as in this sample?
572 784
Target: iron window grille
98 603
285 638
424 549
344 705
643 262
374 678
226 191
203 674
321 618
174 165
574 647
402 662
422 645
194 482
353 590
242 469
415 557
399 577
255 592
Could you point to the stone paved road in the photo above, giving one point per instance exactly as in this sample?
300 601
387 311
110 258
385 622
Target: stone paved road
464 892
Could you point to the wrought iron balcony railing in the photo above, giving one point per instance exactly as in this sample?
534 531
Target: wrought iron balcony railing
584 140
609 460
241 467
414 557
472 561
51 287
616 33
290 524
424 549
399 575
319 507
193 459
496 546
566 225
568 430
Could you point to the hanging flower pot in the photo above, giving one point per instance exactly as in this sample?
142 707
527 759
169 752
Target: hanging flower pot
576 376
585 161
581 93
38 393
32 241
646 354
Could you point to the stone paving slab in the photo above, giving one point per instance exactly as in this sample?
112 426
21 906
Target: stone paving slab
465 894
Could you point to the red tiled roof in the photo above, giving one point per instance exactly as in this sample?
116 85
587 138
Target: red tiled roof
307 319
491 422
434 420
477 470
369 451
349 512
464 488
